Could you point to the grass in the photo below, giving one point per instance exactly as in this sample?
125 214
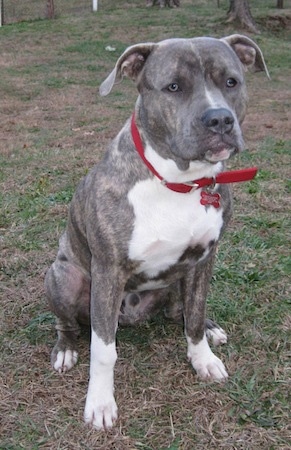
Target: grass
54 127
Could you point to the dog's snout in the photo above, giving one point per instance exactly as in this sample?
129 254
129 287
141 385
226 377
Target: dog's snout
219 120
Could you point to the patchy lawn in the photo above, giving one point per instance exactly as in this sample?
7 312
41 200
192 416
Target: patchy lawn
54 127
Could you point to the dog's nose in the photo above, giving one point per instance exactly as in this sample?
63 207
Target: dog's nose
219 120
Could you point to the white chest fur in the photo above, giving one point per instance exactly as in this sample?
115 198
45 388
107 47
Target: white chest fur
166 224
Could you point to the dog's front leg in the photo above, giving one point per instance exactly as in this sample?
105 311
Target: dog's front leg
106 297
194 292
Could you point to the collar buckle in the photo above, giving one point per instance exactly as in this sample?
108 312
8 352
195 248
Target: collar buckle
186 187
192 184
211 187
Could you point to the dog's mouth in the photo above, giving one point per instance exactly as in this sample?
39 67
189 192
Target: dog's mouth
220 154
222 148
212 148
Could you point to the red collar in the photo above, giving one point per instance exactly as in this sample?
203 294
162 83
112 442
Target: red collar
233 176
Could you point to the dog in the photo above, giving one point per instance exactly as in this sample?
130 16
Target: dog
144 223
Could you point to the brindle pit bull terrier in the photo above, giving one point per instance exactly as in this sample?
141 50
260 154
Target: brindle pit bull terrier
142 230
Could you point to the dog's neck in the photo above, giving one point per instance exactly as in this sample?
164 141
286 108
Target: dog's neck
168 169
184 181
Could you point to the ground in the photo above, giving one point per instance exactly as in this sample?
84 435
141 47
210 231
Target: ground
54 127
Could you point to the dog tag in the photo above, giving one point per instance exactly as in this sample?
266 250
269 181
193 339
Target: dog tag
210 199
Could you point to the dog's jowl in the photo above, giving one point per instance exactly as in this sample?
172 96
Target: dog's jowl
144 224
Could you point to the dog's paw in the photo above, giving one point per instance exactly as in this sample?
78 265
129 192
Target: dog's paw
100 412
65 360
204 361
210 368
217 335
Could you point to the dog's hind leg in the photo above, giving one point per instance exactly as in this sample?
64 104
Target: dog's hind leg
215 333
68 294
64 354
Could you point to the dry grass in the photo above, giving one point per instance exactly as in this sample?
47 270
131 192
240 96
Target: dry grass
53 128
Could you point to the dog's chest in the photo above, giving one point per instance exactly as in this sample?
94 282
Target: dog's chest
166 224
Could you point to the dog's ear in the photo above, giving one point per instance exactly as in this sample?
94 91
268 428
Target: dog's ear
130 64
248 52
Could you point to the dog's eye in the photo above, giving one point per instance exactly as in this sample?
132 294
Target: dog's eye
231 82
173 87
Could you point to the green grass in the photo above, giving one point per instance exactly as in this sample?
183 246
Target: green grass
54 127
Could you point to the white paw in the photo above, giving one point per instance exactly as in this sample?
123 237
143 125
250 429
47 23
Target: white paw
100 410
210 368
217 335
65 360
203 360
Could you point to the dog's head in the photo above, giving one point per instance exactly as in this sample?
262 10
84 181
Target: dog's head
192 94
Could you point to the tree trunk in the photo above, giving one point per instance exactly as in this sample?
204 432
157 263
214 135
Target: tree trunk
280 4
1 13
50 9
239 11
